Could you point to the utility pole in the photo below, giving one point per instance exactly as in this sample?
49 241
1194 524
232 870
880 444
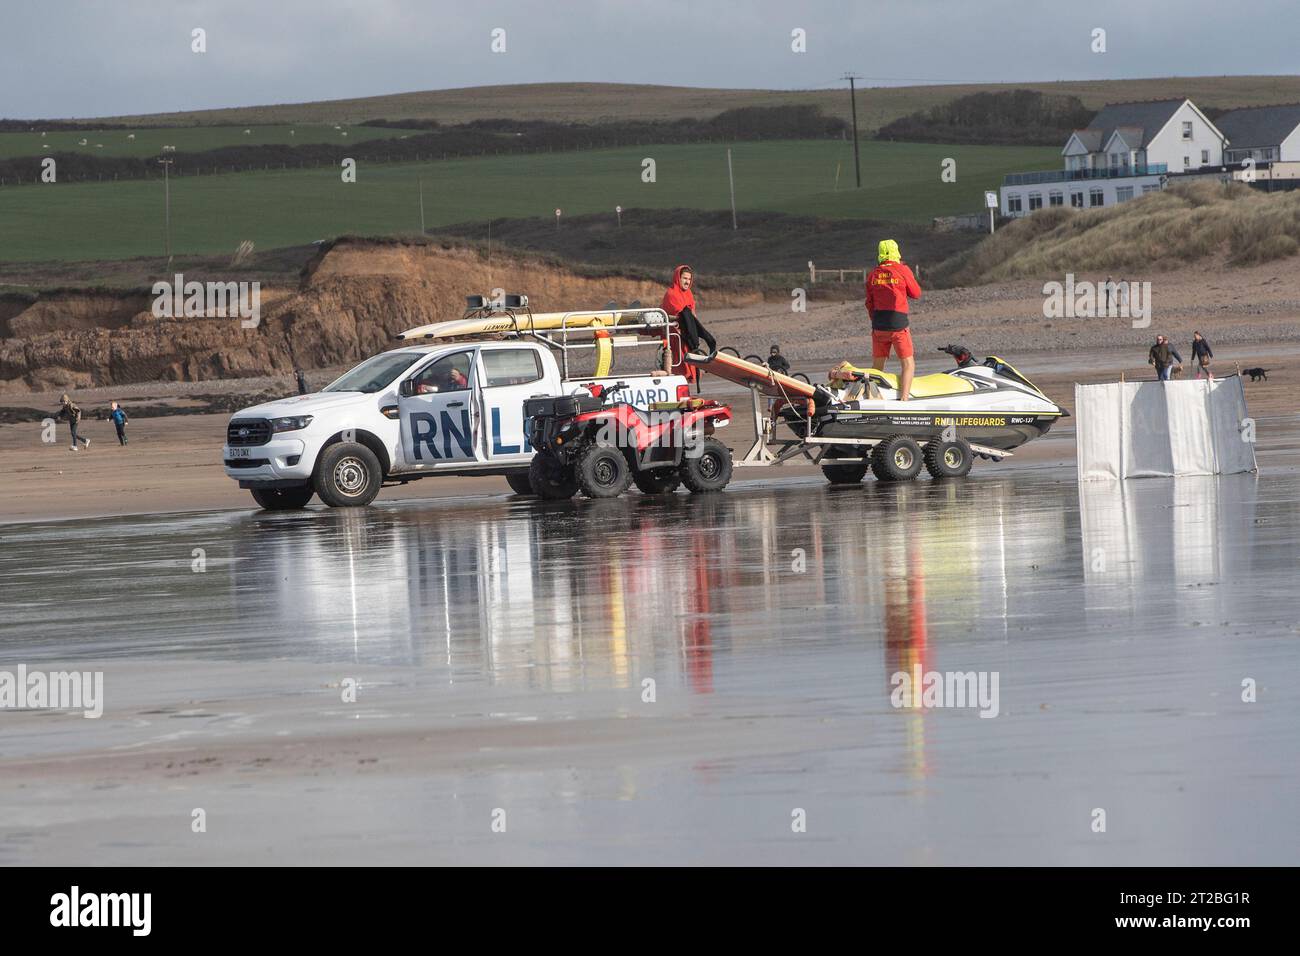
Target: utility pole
853 103
421 207
731 179
165 163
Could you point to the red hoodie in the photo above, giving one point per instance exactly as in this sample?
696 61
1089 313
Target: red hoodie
889 286
676 299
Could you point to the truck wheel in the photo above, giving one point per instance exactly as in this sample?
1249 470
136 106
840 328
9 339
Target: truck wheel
283 499
520 484
550 479
661 481
347 475
897 458
948 459
849 474
603 471
710 470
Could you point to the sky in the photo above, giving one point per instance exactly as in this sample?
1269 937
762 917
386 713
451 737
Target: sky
85 58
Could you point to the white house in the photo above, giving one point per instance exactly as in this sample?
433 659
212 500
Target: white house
1127 150
1264 133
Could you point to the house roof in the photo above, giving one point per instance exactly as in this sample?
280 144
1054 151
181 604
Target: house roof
1090 139
1149 117
1260 125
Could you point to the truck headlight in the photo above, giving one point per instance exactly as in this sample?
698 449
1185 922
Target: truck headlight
291 424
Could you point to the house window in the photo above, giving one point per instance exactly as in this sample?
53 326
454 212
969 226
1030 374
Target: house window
1035 201
1096 197
1123 194
1205 157
1076 200
1150 188
1013 202
1187 162
1056 198
1187 130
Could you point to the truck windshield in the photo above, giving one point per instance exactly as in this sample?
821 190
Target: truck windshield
375 373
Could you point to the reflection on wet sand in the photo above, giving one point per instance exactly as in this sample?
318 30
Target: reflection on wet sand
508 641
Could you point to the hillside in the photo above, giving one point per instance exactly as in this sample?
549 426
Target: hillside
1233 225
597 102
276 208
355 295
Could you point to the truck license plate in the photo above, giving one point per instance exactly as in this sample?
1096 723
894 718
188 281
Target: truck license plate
239 452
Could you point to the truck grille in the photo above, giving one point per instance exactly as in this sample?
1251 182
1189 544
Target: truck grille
248 431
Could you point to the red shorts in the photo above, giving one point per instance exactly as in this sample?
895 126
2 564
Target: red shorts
900 341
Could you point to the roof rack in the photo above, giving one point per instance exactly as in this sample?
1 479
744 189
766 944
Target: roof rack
558 327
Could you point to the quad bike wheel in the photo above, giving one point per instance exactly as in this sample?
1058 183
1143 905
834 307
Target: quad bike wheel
728 350
849 474
661 481
550 479
756 359
520 484
897 458
602 471
948 459
801 377
710 469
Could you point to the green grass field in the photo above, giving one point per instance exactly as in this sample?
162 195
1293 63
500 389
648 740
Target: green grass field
213 214
149 142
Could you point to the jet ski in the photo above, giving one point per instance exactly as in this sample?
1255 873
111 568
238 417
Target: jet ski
988 404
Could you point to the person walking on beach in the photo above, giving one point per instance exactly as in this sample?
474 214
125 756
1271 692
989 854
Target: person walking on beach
118 418
889 285
1201 355
1163 356
72 413
776 361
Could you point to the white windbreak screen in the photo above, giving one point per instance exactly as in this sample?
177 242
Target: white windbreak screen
1163 429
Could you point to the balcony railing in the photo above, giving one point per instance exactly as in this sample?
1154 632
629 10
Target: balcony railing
1074 175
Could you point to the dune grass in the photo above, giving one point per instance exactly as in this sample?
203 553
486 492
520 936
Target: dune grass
1180 225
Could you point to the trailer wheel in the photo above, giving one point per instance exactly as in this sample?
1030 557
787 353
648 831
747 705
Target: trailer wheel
347 475
897 458
661 481
550 479
948 459
844 474
603 471
283 499
710 470
520 483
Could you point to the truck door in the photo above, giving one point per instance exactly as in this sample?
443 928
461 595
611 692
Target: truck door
440 412
509 376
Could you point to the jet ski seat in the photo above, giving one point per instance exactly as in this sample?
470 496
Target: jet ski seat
923 386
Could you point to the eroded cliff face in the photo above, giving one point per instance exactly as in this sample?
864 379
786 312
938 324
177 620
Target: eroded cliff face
354 297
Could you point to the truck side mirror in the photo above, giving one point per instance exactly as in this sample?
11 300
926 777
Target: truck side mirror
407 388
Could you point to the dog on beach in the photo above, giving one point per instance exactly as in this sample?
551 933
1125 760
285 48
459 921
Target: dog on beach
1255 373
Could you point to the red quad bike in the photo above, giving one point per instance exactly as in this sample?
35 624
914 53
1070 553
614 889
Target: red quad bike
599 445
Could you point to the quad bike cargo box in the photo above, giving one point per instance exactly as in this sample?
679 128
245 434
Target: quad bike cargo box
560 405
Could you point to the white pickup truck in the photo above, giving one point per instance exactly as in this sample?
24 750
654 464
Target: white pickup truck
415 412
